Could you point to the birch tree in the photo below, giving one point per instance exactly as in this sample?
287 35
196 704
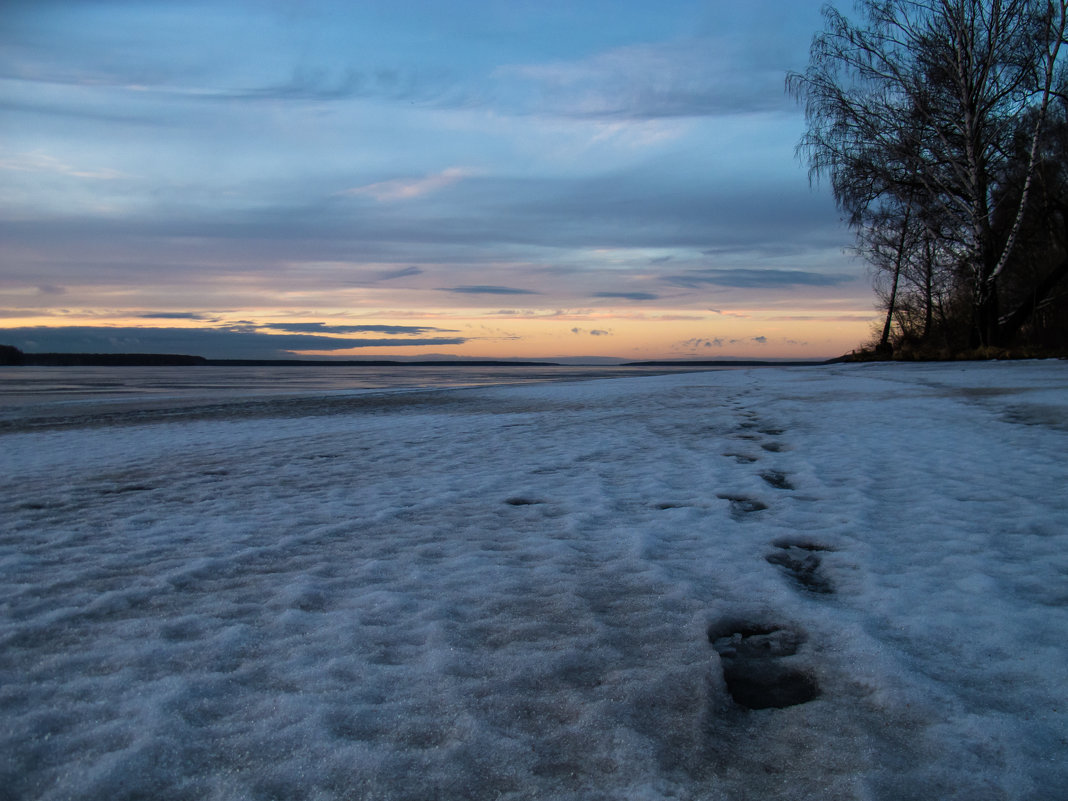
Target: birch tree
925 99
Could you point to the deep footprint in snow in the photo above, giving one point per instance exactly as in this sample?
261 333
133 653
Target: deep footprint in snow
741 505
777 479
126 488
741 458
756 665
520 501
801 562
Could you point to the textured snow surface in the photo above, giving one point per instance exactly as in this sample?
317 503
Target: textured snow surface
551 591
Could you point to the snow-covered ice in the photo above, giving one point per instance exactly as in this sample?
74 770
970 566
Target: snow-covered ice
845 582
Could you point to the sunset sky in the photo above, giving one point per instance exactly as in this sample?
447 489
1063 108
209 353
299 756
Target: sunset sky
474 178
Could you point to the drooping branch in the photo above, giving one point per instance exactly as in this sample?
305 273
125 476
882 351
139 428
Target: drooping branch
924 105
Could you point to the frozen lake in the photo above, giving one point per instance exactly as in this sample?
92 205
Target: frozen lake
35 396
839 582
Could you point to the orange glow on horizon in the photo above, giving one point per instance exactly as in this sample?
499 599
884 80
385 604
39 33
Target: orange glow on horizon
626 333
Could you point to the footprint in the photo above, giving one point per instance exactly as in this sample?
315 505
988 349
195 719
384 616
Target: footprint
772 447
741 458
520 501
777 479
756 664
120 490
741 505
801 562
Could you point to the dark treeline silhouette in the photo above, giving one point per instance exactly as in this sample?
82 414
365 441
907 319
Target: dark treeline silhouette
943 129
12 356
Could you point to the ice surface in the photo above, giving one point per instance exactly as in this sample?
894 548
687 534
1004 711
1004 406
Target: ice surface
545 591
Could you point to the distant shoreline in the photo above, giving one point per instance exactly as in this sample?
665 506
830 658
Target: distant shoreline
180 360
12 357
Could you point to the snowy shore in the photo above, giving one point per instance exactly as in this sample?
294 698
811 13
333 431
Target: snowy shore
845 582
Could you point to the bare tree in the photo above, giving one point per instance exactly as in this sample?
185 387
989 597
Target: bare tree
924 100
887 241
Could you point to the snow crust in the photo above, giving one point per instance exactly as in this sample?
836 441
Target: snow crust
532 591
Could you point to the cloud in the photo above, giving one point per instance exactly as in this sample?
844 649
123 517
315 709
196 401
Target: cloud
404 272
691 77
174 316
212 343
718 342
858 317
316 84
310 84
488 290
51 289
68 109
698 342
323 328
633 210
756 279
627 295
409 188
24 313
42 162
596 332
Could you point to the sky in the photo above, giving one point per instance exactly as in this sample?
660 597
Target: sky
472 178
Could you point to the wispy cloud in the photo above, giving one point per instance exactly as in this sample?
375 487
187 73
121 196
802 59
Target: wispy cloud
404 272
596 332
627 295
693 77
408 188
15 313
480 289
756 279
323 328
38 161
220 343
175 316
698 343
858 317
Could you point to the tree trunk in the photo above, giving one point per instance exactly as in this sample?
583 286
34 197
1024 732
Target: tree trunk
985 331
884 341
1012 322
928 288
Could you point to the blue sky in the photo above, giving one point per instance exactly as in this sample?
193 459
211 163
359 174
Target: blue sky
516 175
